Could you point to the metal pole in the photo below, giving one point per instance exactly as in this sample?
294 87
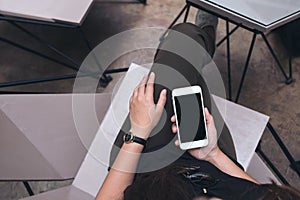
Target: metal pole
187 12
41 41
286 152
105 79
270 164
225 38
37 53
28 188
288 79
246 67
174 21
228 60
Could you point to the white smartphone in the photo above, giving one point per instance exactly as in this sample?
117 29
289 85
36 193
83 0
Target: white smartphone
190 118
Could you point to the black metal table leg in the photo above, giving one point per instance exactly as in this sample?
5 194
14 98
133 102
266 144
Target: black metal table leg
290 68
288 79
143 1
173 22
246 67
46 44
37 53
104 79
230 33
187 12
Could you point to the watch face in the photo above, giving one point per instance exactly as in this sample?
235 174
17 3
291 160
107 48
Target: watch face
127 137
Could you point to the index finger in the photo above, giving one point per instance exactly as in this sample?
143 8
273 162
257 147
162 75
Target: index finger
141 86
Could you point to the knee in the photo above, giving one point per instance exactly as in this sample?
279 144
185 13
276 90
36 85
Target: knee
185 28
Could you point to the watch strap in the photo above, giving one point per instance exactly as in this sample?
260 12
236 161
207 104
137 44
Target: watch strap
139 140
129 137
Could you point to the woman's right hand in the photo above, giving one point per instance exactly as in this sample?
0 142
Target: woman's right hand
211 150
144 113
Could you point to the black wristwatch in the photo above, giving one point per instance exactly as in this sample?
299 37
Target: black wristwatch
129 137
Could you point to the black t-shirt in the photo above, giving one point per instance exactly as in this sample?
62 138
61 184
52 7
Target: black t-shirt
221 184
208 180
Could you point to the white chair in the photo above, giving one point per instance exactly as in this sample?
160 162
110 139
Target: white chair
245 125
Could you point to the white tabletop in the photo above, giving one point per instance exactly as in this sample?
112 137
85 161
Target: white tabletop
263 15
71 11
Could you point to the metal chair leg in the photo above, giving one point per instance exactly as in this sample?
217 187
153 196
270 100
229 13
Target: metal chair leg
295 165
228 60
28 188
271 165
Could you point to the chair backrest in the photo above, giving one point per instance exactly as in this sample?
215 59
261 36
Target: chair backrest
246 127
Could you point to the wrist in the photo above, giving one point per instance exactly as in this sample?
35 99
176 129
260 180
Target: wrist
214 155
133 147
140 132
132 138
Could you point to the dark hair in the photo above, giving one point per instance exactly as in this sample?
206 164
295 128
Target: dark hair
280 192
164 184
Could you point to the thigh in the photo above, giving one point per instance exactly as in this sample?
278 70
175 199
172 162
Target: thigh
172 71
193 76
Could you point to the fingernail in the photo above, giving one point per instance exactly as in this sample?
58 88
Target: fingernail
152 74
164 92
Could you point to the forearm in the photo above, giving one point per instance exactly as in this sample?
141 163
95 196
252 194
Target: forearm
144 116
122 172
225 164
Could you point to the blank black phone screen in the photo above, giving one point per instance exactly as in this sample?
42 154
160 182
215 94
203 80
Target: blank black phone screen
190 117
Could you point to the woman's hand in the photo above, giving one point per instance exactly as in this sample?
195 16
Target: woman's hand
144 113
212 149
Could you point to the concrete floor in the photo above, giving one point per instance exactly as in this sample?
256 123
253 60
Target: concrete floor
264 89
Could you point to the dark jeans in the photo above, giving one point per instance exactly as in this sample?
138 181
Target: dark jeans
174 66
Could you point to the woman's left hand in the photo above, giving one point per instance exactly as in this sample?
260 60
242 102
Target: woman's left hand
144 113
211 150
